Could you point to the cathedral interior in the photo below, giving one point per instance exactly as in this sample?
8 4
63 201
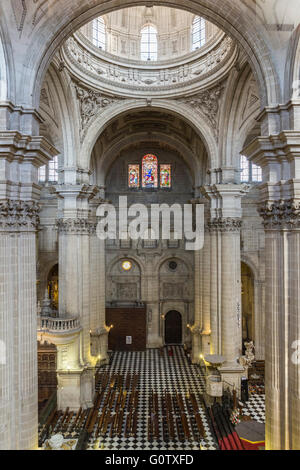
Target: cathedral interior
138 343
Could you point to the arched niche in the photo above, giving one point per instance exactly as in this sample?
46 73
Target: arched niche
248 324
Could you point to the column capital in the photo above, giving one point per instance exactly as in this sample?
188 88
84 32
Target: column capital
227 224
19 216
281 214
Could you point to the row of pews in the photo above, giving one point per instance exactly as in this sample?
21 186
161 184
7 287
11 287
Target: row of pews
115 412
180 418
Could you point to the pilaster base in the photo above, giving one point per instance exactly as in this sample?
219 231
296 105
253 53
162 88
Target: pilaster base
75 389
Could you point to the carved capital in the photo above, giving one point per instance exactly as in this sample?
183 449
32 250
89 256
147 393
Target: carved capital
227 224
280 214
79 226
19 215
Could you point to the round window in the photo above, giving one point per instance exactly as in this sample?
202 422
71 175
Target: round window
173 265
127 265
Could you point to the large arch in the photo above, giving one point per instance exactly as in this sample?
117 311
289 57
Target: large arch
178 109
109 157
50 27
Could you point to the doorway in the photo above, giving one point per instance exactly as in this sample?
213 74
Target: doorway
173 327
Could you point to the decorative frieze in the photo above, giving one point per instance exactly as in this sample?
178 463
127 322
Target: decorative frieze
80 56
225 224
79 226
280 214
19 215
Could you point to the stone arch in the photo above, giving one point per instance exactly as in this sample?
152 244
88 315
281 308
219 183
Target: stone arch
7 91
292 68
238 115
239 22
63 104
181 110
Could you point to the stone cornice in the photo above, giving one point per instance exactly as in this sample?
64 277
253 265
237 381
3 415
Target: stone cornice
20 147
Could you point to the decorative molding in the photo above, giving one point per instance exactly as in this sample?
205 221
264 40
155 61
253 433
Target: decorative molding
79 226
18 215
227 224
138 78
280 214
90 103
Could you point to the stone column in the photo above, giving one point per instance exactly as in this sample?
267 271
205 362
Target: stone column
99 332
20 157
206 320
279 206
225 286
75 232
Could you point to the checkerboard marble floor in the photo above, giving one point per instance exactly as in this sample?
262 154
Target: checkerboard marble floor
158 373
255 408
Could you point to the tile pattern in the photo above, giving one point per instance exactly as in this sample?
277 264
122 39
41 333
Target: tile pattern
158 372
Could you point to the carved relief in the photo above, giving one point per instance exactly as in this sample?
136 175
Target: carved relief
90 102
127 291
207 102
173 291
19 215
77 53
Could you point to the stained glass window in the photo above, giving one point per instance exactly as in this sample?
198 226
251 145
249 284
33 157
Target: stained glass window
165 176
149 171
133 176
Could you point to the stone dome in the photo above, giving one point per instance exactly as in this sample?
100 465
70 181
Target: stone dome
166 33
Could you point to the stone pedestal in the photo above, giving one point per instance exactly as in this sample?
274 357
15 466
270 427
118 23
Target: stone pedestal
75 389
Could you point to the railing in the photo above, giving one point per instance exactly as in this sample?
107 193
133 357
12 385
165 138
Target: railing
58 324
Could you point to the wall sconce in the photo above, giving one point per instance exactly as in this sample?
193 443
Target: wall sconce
162 316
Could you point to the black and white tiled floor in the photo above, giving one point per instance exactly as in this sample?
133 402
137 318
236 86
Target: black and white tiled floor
255 408
158 373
